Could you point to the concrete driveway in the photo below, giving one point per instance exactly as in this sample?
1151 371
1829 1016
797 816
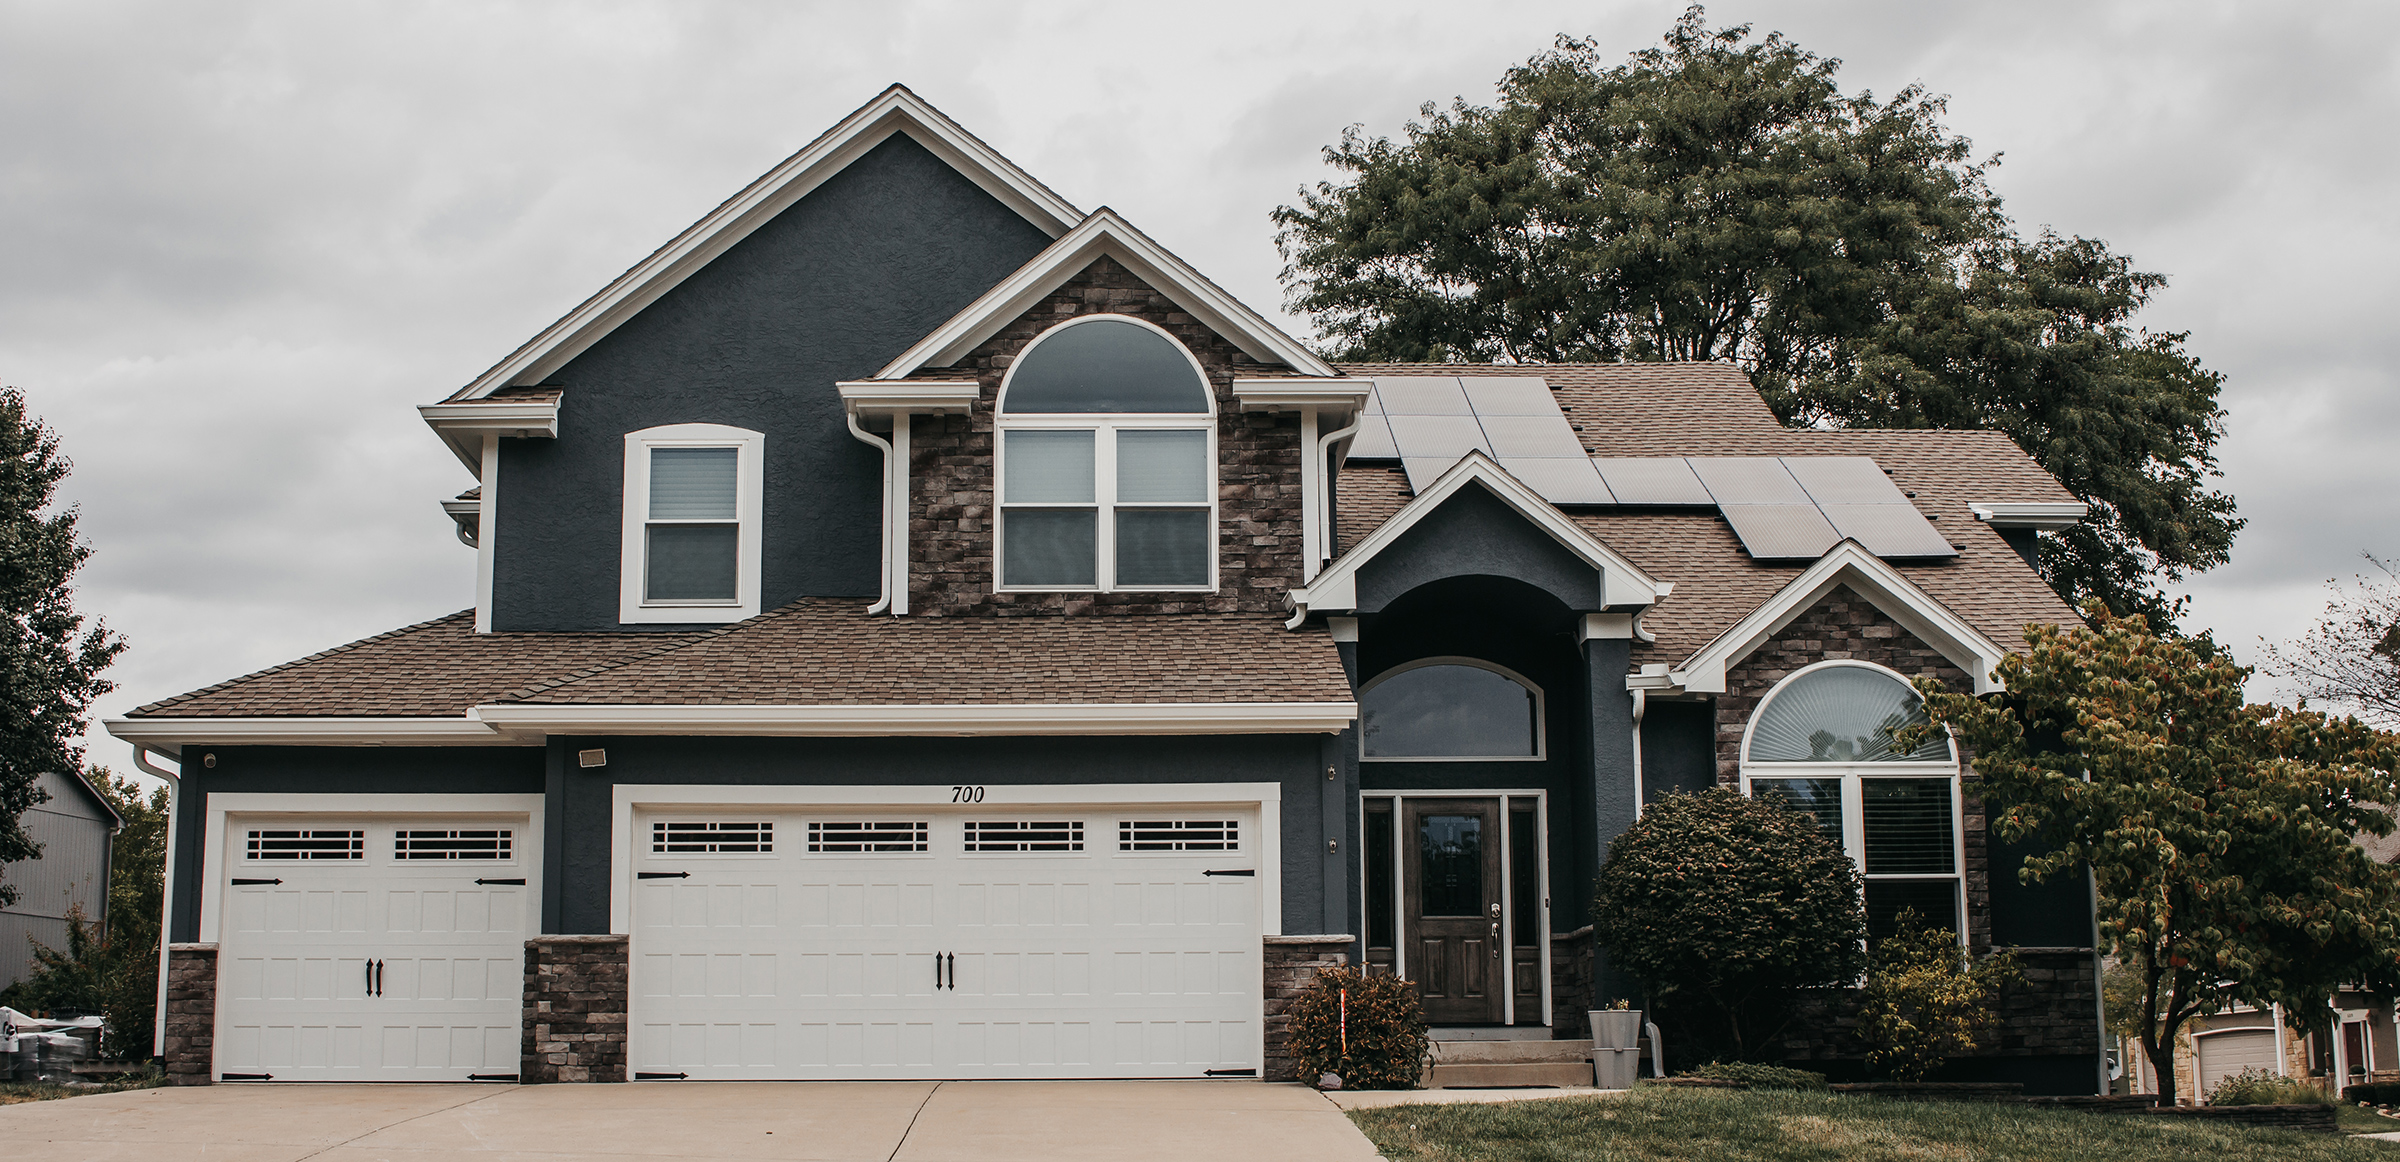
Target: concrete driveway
984 1121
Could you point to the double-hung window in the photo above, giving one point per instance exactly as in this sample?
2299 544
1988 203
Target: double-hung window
1822 743
691 527
1107 462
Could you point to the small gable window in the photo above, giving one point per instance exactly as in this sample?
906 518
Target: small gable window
1822 744
1451 709
1107 462
691 527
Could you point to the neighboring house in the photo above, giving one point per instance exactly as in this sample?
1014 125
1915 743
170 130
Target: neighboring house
73 827
928 630
2349 1043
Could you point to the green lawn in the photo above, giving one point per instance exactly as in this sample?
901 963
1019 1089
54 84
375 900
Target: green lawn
1657 1123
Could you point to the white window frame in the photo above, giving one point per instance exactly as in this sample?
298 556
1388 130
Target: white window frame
633 608
1541 714
1104 427
1854 777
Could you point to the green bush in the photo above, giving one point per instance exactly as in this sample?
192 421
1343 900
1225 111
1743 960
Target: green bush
1756 1076
2257 1087
1725 907
1385 1046
1926 998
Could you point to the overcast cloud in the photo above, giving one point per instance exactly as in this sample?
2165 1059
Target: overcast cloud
242 240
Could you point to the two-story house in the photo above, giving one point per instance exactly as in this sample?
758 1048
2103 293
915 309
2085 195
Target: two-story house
924 629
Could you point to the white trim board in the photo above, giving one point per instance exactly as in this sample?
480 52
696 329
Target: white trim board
895 110
626 798
1622 583
1846 564
467 428
1105 234
221 805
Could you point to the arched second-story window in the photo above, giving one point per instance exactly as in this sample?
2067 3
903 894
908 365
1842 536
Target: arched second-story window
1107 464
1822 741
1451 709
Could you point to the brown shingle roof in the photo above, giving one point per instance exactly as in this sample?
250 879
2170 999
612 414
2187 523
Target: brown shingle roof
825 651
432 669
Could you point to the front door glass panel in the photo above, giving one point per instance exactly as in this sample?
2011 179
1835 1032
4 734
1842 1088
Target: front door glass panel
1452 847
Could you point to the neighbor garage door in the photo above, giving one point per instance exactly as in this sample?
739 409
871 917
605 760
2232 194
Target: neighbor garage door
2227 1053
372 949
917 943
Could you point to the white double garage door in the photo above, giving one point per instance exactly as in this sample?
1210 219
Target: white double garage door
766 943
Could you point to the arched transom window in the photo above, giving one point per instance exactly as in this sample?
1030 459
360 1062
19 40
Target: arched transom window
1822 742
1107 466
1451 709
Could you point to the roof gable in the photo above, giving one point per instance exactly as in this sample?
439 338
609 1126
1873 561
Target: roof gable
1621 582
896 110
1107 235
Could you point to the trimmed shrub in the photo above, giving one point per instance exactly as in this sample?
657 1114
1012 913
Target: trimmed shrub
1757 1076
1926 999
2257 1087
1724 907
1385 1046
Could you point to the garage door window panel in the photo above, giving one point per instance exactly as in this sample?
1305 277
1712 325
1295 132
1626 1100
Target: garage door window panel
712 837
271 844
868 838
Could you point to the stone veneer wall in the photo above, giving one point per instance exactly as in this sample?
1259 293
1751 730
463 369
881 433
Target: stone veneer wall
1292 964
190 1044
1571 960
951 511
1845 625
2050 1013
575 1005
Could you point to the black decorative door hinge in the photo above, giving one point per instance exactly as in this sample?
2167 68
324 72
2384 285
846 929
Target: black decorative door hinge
240 883
491 1077
660 1076
519 881
1229 1073
1238 871
661 875
245 1077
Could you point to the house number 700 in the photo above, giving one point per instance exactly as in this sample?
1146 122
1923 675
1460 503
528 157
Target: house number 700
966 794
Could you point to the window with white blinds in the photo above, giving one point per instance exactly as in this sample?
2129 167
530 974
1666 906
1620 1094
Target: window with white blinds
692 500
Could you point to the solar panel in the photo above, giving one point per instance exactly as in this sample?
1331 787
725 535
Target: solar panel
1560 479
1517 395
1748 480
1374 439
1843 480
1439 437
1652 480
1422 395
1776 532
1889 530
1530 435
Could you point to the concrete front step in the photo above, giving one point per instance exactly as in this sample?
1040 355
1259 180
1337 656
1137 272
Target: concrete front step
1513 1075
1511 1052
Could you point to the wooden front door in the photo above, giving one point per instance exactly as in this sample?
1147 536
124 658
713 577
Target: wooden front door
1451 858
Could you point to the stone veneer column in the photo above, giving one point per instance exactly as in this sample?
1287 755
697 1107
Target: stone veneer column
575 1005
189 1044
1292 964
1571 956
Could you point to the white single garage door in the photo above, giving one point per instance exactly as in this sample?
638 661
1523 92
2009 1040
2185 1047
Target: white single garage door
372 949
921 943
2229 1052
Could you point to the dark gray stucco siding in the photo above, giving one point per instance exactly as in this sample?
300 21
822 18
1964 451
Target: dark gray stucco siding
1679 748
579 862
830 289
298 772
1475 534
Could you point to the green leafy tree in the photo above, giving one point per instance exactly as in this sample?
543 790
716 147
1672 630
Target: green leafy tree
1926 999
1721 197
112 968
2220 833
2351 657
49 664
1729 906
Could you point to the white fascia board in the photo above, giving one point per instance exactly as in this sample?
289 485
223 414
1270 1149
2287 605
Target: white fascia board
526 720
1274 395
463 426
1105 234
877 397
896 111
2045 516
169 735
1846 564
1622 582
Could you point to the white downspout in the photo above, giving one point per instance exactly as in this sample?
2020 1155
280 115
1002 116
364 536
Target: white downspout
166 907
895 545
1641 702
1321 471
883 600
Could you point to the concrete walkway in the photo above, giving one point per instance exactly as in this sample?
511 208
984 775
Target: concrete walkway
987 1121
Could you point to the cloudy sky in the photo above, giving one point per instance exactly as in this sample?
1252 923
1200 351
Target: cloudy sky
240 241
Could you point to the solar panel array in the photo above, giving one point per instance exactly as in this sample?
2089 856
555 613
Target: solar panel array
1781 507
